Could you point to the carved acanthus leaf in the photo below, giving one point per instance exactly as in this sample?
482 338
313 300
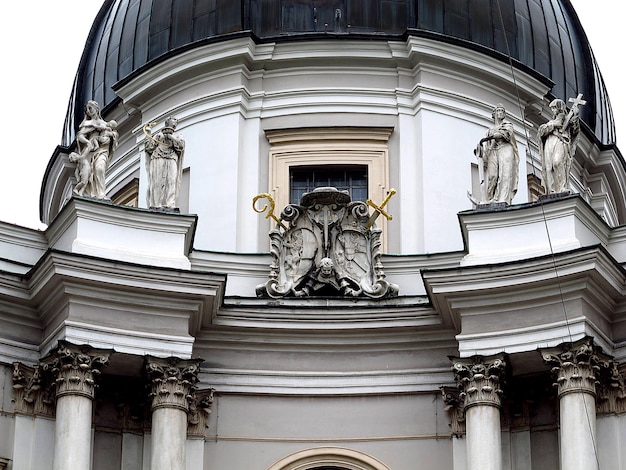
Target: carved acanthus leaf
480 380
172 381
576 367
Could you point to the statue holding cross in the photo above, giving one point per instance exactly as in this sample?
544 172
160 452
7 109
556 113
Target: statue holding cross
558 139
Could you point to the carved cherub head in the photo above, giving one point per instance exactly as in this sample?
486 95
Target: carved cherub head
326 267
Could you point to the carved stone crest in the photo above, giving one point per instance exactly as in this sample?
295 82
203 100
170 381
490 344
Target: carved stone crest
327 250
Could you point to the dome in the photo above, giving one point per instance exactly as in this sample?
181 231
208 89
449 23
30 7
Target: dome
543 37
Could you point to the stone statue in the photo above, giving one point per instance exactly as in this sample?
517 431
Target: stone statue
498 161
165 151
96 140
327 250
558 139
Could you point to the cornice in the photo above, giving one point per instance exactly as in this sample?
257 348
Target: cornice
111 215
525 272
355 341
549 226
588 281
328 313
325 382
161 308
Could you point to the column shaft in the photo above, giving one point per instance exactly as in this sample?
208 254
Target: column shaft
74 370
169 438
578 431
72 445
173 385
576 368
484 446
479 382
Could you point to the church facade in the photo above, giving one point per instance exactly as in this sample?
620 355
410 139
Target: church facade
336 285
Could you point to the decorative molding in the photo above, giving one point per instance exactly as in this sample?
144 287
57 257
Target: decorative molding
454 408
329 457
199 412
612 391
172 381
32 393
479 380
75 368
576 366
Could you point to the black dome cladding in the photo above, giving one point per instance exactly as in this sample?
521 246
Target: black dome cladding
542 35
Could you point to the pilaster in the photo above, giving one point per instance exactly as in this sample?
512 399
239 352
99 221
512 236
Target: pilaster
612 391
199 413
32 393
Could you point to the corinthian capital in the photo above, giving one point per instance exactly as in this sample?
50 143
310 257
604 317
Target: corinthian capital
612 393
31 391
576 366
172 381
74 369
479 380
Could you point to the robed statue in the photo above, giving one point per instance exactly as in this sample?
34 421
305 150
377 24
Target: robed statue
558 139
164 165
498 161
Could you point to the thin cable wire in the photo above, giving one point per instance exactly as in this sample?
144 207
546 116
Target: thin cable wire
554 265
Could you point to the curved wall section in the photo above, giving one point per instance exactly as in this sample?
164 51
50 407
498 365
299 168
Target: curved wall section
544 36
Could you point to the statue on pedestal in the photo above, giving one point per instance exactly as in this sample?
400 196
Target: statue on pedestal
96 140
498 162
558 139
164 165
329 248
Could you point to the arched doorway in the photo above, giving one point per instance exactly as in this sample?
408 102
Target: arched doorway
329 458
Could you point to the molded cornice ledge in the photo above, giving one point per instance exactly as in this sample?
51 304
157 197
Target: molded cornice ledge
537 302
531 230
96 228
131 308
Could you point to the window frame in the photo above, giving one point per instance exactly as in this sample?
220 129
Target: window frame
366 146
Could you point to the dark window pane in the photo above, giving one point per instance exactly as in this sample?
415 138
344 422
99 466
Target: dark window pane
304 179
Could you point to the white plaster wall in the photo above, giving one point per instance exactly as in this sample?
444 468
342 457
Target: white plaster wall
438 101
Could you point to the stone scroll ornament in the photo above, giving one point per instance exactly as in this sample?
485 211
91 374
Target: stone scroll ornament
326 246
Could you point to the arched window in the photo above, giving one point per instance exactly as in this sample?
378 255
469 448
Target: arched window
329 458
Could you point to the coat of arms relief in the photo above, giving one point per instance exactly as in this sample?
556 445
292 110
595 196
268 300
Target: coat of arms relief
328 248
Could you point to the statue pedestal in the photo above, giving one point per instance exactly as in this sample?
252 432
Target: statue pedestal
548 197
490 206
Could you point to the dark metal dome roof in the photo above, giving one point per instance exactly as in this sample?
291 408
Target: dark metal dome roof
542 35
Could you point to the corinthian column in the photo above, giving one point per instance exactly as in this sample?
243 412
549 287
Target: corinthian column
173 382
74 370
576 367
479 379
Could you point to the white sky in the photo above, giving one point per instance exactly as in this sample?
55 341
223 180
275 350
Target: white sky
41 43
